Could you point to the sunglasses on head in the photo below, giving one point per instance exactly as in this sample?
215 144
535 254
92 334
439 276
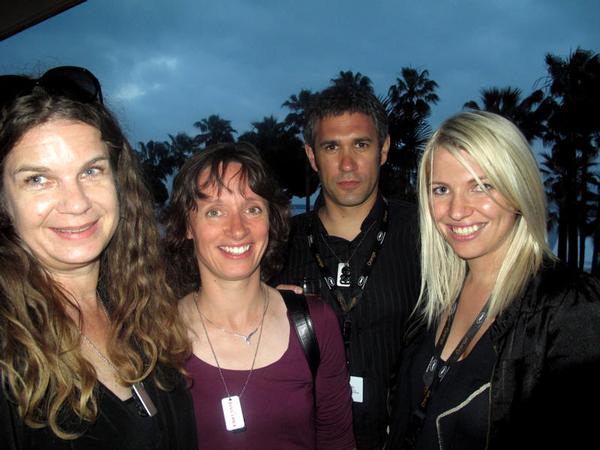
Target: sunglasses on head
76 83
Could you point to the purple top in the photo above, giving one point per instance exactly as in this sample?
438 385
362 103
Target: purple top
278 401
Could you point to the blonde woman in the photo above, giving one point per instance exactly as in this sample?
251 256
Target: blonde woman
504 349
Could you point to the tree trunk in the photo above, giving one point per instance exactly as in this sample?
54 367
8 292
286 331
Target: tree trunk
582 238
307 170
572 216
595 250
562 233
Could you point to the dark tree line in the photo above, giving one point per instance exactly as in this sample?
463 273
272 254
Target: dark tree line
560 115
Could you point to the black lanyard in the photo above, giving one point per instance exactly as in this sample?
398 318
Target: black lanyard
362 279
437 369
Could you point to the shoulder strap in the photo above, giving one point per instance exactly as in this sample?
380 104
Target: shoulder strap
299 315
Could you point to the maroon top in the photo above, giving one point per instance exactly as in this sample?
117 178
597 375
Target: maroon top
278 401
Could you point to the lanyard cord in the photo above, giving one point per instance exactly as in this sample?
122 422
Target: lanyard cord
437 369
362 279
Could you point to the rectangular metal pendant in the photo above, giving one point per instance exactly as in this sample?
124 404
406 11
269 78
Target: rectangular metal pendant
232 412
143 400
343 274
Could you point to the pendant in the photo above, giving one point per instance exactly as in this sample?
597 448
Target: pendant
143 400
343 274
232 412
247 338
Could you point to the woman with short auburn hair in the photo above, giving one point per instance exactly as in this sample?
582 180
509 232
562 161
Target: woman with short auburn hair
254 387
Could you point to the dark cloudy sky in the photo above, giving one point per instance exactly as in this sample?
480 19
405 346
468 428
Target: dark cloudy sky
165 64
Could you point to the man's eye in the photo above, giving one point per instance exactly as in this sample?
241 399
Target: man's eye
36 180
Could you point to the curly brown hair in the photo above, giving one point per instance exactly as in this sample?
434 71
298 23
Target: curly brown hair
41 364
182 265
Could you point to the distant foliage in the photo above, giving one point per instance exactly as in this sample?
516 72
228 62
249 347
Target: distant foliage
562 115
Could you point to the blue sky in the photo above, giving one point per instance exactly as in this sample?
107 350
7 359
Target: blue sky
165 64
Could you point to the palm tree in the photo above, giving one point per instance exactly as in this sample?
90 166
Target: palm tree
528 114
152 160
181 146
408 103
572 129
214 130
413 94
297 104
295 122
283 151
354 80
159 160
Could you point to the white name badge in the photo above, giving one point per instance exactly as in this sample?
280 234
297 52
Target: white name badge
356 383
232 412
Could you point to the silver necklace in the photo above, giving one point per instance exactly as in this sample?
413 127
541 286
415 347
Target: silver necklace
245 337
343 269
141 397
232 410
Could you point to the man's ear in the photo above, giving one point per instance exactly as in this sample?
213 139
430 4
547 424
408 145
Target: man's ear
385 148
310 154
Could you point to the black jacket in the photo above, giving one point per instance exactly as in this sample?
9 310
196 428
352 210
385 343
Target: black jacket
114 428
547 379
546 376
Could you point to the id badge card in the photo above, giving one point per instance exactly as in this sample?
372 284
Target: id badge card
232 412
356 383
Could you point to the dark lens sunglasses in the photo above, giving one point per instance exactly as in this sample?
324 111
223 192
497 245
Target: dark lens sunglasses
72 82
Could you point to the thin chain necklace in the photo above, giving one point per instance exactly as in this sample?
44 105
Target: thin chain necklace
245 337
260 326
355 248
144 402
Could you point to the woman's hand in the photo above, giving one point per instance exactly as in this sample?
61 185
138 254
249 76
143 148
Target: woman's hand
290 287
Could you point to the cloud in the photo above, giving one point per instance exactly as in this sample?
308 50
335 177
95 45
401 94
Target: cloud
128 92
145 76
164 64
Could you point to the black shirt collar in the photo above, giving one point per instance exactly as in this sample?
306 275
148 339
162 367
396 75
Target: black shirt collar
373 216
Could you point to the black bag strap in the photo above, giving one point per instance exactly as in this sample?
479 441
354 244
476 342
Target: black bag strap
297 309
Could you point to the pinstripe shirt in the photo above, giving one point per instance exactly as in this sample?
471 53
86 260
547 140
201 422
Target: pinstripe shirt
379 317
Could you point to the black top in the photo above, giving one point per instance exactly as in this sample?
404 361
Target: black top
379 317
547 360
118 425
457 413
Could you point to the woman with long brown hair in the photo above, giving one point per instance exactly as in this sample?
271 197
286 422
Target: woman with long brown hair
90 340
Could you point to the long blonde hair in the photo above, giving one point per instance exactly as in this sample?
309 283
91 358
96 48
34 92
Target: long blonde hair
506 158
42 368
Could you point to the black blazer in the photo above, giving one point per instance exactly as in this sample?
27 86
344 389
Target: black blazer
546 375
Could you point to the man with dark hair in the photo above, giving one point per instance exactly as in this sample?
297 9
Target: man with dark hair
358 247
